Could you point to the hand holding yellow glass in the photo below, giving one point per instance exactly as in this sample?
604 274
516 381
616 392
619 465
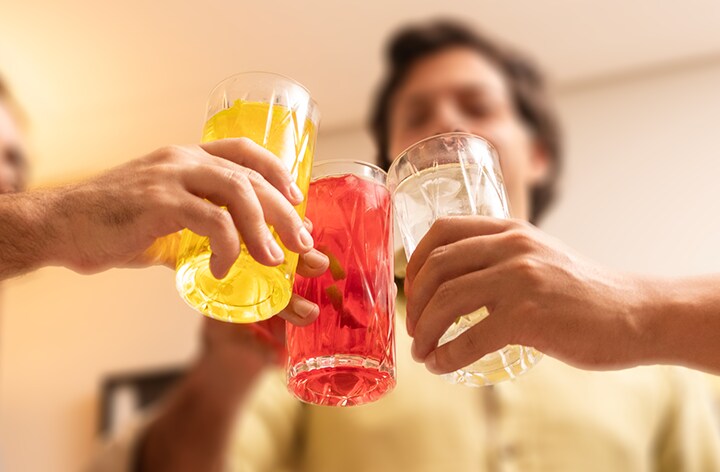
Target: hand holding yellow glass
279 115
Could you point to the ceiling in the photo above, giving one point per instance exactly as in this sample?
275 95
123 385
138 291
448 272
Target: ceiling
101 80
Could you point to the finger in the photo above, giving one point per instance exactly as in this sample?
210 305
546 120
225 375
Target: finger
308 224
313 263
448 230
489 335
233 188
281 215
247 153
204 218
299 311
461 296
452 261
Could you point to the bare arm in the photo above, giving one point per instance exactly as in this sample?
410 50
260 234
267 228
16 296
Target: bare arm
28 235
681 322
193 432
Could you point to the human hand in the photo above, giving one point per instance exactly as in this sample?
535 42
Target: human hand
112 220
539 293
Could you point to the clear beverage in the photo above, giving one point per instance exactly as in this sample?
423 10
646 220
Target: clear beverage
286 124
457 177
347 356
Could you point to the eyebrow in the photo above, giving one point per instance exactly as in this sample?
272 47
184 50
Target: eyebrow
473 88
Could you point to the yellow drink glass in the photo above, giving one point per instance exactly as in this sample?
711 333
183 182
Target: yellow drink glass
278 114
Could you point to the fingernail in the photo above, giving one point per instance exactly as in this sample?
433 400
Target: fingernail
315 259
275 251
304 308
431 363
413 352
305 238
296 193
215 270
409 327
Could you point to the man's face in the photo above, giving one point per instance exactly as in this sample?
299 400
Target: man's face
458 89
13 164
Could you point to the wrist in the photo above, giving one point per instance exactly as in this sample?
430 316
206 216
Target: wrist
660 303
55 216
37 228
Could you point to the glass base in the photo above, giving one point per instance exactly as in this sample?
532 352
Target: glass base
341 380
240 297
506 364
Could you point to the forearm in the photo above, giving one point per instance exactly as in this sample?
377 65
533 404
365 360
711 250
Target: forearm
681 322
29 232
193 432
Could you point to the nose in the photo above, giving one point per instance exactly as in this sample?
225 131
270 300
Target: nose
448 120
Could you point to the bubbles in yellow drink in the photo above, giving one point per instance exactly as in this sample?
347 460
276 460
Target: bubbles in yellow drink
251 291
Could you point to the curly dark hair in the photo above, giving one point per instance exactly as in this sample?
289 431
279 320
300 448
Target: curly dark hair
526 82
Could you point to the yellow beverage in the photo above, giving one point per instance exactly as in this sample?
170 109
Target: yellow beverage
251 291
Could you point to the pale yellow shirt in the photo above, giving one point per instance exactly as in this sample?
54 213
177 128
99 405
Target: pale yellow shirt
554 418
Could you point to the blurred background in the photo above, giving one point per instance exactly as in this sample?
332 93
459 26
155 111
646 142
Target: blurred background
104 82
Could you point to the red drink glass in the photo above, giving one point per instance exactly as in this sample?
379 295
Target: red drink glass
347 356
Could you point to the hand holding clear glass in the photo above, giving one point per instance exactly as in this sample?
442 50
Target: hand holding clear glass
455 174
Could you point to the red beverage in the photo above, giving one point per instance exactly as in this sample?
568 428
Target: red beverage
347 356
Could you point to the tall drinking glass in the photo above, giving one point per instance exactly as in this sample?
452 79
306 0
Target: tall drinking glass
279 114
455 174
347 356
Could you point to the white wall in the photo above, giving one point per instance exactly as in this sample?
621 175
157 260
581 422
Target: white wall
640 193
641 181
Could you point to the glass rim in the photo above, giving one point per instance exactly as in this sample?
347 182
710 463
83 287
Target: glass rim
330 162
313 103
394 182
444 135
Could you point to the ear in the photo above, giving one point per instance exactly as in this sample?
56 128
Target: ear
539 163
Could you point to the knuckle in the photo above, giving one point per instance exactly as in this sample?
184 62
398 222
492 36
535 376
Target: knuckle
292 216
231 176
439 229
437 255
518 223
446 293
218 216
520 239
171 153
157 195
244 143
471 342
528 268
253 175
442 224
237 180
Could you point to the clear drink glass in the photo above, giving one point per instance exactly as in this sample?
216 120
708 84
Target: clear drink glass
279 114
455 174
347 356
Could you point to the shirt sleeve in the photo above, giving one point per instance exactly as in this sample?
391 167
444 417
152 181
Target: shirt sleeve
690 437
